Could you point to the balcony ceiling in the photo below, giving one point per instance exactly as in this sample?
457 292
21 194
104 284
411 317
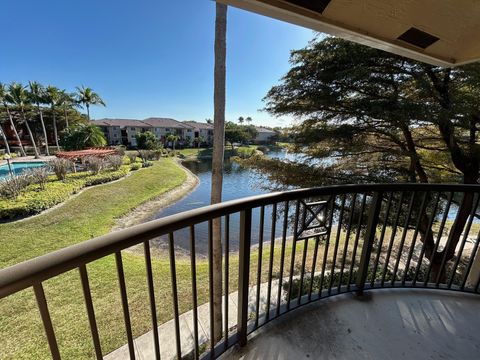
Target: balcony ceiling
443 33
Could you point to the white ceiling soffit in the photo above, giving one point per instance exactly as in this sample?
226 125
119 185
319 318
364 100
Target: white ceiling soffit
438 32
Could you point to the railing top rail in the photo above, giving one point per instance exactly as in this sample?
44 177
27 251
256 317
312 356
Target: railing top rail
30 272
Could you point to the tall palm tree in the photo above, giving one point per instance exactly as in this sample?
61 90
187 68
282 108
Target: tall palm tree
4 100
67 101
4 137
248 120
37 96
87 97
54 98
217 159
241 120
19 96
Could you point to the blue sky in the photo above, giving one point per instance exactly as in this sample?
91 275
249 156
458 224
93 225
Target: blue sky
147 57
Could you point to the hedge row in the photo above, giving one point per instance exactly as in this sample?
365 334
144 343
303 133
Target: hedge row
34 200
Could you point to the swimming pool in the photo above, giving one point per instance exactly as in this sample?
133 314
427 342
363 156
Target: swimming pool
19 167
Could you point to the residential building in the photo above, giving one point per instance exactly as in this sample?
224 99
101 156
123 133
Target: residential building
165 126
202 131
121 131
264 135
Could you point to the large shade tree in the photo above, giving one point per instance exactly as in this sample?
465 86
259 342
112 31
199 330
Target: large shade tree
383 118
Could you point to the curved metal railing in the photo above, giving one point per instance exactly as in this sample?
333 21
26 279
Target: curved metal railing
294 247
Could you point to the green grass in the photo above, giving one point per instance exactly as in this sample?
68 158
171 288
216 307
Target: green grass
90 214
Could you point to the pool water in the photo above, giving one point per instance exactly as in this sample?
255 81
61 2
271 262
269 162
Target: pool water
19 167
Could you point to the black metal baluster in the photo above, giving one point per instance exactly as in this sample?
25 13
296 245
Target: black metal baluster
151 293
90 311
302 272
337 240
314 263
210 292
443 263
46 320
333 199
439 237
355 244
244 274
282 258
382 237
415 235
347 239
259 266
392 239
270 265
173 274
429 229
193 269
464 239
367 246
227 274
402 240
294 248
126 313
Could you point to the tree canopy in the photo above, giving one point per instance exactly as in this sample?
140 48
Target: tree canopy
381 116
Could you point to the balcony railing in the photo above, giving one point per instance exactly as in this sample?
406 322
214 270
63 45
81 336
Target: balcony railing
297 247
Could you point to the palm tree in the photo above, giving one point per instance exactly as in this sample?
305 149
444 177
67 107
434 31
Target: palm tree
19 96
217 159
241 120
4 99
173 139
4 137
54 98
37 96
67 102
248 120
87 97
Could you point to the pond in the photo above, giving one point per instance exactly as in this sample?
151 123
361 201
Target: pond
19 167
238 182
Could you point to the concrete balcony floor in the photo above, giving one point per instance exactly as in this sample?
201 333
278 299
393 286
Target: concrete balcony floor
383 324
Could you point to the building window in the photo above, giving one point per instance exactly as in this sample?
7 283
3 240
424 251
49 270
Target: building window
133 129
167 130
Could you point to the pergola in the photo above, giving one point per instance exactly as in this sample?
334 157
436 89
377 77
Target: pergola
82 154
443 33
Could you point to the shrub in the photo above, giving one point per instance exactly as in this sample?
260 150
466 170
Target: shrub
147 164
31 202
114 161
38 176
60 167
146 155
157 154
135 166
120 150
94 164
132 157
12 186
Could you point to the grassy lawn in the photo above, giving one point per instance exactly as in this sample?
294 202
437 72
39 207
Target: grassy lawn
90 214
